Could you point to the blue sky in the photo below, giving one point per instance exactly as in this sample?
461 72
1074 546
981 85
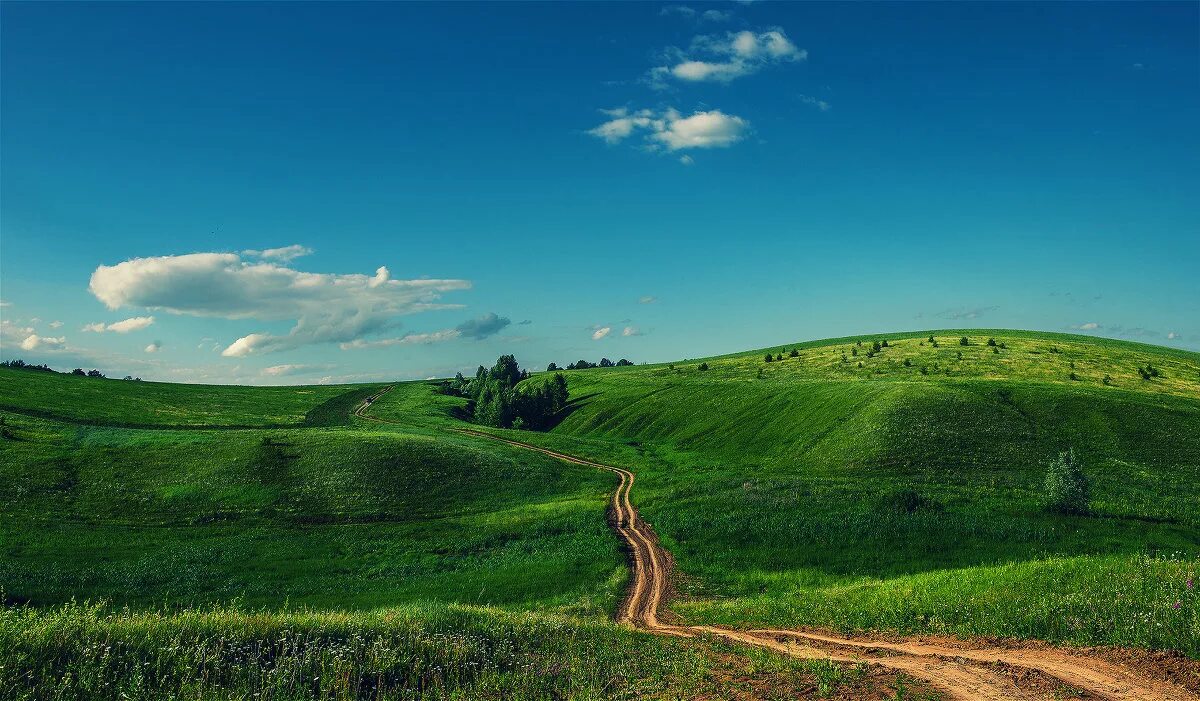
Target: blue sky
207 192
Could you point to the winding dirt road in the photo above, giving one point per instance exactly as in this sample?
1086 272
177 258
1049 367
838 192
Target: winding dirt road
959 669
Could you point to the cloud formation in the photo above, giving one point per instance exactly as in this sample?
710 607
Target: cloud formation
726 57
283 254
48 343
154 347
601 332
325 307
135 323
631 331
671 130
477 329
481 327
647 299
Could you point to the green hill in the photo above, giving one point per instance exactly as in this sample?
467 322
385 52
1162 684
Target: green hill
902 488
897 488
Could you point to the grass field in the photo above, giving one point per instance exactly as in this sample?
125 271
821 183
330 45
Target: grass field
282 546
787 497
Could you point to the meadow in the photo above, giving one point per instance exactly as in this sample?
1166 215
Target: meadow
810 490
281 547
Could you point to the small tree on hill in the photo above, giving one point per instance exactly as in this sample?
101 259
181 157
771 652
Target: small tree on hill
1067 489
551 367
795 353
703 367
779 357
992 342
875 346
964 341
769 358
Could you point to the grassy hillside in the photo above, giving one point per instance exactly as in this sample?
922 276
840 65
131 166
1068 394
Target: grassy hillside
813 490
281 546
110 402
323 517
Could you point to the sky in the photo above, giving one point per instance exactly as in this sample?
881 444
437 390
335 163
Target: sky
302 193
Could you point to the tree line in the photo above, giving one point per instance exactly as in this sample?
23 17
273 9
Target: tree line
584 365
18 364
496 400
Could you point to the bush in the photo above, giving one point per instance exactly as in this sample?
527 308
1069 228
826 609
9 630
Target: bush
1067 489
964 341
992 342
703 367
769 358
795 353
908 501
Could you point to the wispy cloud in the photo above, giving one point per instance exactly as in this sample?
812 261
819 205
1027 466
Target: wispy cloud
154 347
482 327
631 331
647 299
135 323
671 130
282 254
725 57
326 307
601 332
815 102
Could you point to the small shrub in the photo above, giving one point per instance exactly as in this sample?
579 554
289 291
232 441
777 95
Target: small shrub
1107 379
795 353
908 501
964 341
924 370
769 358
1074 376
992 342
884 343
995 350
1067 490
703 367
875 346
908 362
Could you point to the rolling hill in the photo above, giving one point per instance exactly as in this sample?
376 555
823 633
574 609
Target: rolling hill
842 485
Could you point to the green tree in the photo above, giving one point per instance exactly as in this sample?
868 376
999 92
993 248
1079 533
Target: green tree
964 341
1067 490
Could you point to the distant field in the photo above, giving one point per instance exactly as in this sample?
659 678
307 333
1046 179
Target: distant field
127 403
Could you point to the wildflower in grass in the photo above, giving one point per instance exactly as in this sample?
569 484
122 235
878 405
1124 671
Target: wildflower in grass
1191 584
1177 605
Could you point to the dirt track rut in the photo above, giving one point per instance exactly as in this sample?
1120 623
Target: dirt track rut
959 669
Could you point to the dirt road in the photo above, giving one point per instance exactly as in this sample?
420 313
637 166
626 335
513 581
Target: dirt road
960 669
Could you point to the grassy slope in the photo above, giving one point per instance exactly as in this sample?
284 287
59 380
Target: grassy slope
773 492
324 517
152 404
339 520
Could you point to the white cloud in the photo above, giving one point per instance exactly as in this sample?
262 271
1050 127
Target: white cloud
283 254
154 347
36 342
5 304
295 369
411 339
135 323
726 57
601 332
1089 326
647 299
686 160
1171 336
631 331
672 130
55 324
326 308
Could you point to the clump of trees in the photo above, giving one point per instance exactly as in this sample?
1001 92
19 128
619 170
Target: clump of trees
1149 371
496 400
89 373
585 365
19 364
1067 489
